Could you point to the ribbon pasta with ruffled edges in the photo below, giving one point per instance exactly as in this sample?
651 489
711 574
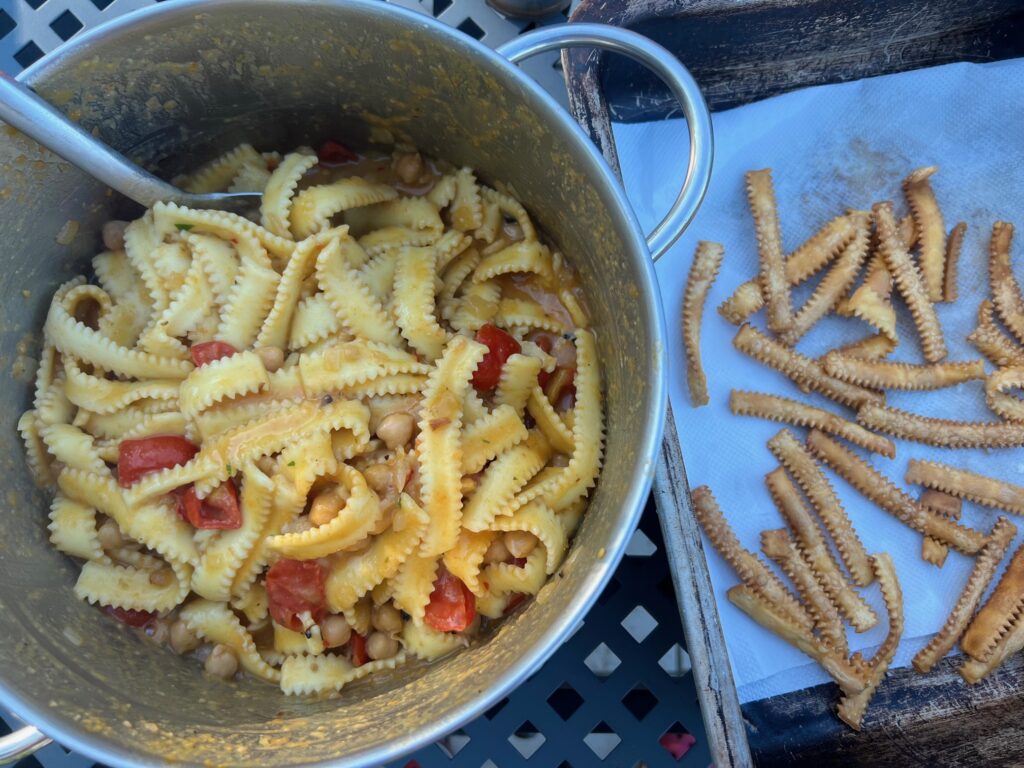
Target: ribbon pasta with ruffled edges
372 297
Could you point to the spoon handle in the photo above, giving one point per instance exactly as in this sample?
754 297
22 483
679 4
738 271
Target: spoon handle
21 108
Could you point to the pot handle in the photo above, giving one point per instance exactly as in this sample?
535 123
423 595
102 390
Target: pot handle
22 743
660 61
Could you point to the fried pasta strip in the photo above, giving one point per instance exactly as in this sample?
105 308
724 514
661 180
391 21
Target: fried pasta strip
880 490
963 484
780 548
974 671
752 571
1006 295
812 546
706 262
999 613
908 281
903 376
805 372
792 454
852 706
931 229
761 198
874 347
783 409
985 567
932 550
833 286
768 615
999 393
954 245
871 302
805 261
942 433
989 339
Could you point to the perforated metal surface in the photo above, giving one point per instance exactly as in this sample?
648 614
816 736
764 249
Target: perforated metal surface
618 692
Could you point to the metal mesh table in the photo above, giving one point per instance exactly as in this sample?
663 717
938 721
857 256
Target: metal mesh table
618 692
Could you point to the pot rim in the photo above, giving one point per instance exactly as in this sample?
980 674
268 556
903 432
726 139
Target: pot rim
648 442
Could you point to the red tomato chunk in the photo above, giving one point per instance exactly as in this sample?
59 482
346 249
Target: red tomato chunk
219 510
294 587
452 606
335 153
357 646
130 616
501 346
208 351
136 458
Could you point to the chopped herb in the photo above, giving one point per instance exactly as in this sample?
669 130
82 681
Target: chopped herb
228 469
184 227
291 463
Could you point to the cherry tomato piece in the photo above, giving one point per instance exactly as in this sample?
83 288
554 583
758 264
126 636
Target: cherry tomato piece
136 458
130 616
335 153
219 510
452 606
293 587
207 351
357 645
501 346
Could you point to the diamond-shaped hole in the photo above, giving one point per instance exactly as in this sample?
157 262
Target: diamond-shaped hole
565 700
602 661
675 662
101 5
640 701
453 743
471 28
440 6
677 740
602 740
639 623
29 54
492 713
640 545
6 23
527 739
66 25
565 764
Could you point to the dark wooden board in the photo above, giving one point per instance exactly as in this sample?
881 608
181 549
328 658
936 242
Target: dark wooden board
742 51
746 51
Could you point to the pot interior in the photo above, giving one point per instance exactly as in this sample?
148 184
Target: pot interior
172 89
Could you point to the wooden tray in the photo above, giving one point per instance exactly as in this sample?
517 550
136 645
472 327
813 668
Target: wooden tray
742 51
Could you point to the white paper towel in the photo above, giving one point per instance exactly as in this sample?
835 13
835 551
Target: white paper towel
834 147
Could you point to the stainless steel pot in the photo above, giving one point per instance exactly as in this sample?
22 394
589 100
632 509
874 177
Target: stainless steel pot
174 85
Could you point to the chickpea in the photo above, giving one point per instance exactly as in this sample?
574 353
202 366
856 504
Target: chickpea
468 485
513 231
109 535
335 631
266 465
113 235
387 618
300 524
271 357
158 630
520 543
381 646
182 638
222 662
395 429
409 167
497 552
559 460
326 505
163 577
378 477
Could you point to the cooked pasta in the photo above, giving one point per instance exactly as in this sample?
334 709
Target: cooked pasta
312 447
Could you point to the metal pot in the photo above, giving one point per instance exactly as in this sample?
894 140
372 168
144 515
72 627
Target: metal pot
174 85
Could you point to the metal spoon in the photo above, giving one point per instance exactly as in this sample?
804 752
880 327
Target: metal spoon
25 110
